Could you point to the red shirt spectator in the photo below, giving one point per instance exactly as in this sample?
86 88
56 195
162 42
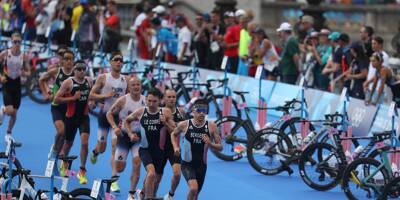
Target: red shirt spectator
232 36
29 11
143 42
112 21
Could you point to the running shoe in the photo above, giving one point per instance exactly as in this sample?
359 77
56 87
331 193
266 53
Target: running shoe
82 176
93 158
131 196
115 187
1 114
168 197
139 194
63 169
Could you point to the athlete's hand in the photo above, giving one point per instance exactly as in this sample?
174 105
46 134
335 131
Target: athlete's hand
3 79
110 94
117 131
206 139
177 152
134 137
163 118
92 105
77 95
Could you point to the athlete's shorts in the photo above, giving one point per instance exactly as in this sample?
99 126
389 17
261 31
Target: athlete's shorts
12 92
124 145
169 154
197 173
156 158
104 127
72 124
58 112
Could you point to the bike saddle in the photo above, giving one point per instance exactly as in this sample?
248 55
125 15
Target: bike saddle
240 92
111 180
67 158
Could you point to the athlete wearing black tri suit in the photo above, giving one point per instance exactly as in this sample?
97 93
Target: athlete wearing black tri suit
168 148
153 134
58 111
194 153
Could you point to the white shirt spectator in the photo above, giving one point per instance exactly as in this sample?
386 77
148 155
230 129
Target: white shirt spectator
139 19
372 70
184 36
43 21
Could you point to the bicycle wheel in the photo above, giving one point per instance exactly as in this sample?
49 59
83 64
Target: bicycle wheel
391 190
319 166
216 103
268 151
292 127
355 183
17 193
80 193
33 88
233 136
16 181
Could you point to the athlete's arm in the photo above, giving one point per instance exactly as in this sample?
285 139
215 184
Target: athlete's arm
95 92
43 82
65 88
181 110
135 116
167 120
175 135
114 110
216 144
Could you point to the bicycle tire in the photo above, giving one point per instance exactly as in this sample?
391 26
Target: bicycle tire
84 192
17 193
228 153
392 190
305 157
33 88
351 170
234 103
259 141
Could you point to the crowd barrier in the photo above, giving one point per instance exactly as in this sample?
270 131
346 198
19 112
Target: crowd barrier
364 119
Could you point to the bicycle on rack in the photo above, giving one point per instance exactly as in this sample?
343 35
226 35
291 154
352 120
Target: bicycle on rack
99 193
27 190
322 164
236 131
11 163
366 177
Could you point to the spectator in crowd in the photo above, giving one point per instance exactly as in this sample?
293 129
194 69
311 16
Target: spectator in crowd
63 27
112 33
306 27
321 54
171 17
140 17
244 42
166 39
77 10
88 31
366 34
330 68
377 46
184 55
386 76
42 22
356 75
201 40
143 38
30 14
216 29
341 61
289 63
5 17
231 42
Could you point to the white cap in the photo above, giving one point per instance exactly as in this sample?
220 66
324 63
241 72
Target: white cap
159 9
284 27
229 14
240 12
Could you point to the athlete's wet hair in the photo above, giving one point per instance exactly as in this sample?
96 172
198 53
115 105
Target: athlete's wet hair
155 92
200 102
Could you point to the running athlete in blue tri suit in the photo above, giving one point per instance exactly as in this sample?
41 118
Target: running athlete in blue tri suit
155 123
197 136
